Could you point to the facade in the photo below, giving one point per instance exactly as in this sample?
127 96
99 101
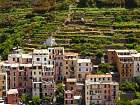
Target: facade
70 62
59 59
37 73
126 61
100 90
84 67
37 80
3 85
136 64
70 96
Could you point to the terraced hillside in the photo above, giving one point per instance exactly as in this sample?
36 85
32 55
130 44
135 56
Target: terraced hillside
90 30
84 30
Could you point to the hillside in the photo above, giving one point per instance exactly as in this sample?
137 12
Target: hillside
86 30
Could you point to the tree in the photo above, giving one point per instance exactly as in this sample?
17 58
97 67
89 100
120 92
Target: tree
59 93
99 54
49 99
129 86
36 100
25 99
135 102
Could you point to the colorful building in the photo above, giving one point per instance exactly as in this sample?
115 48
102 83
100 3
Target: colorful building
70 96
70 62
100 90
126 61
84 67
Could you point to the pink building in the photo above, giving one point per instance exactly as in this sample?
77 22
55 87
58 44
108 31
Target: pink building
18 68
59 59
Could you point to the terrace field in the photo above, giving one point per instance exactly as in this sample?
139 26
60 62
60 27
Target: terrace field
84 30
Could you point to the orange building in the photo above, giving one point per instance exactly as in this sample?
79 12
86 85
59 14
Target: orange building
123 60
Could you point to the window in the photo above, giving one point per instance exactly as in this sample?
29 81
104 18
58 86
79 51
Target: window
4 77
72 62
71 101
45 59
34 67
21 67
39 73
38 59
14 74
34 73
79 64
79 75
108 78
14 78
79 69
94 79
19 73
17 59
39 67
71 88
104 86
66 62
66 67
34 85
14 85
14 68
86 64
13 59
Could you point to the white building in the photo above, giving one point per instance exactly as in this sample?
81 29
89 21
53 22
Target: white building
37 80
84 67
136 62
40 56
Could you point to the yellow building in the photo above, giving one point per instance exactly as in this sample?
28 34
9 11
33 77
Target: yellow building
124 61
100 89
69 68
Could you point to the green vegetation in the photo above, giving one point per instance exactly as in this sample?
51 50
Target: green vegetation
28 24
133 88
128 86
60 93
35 100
